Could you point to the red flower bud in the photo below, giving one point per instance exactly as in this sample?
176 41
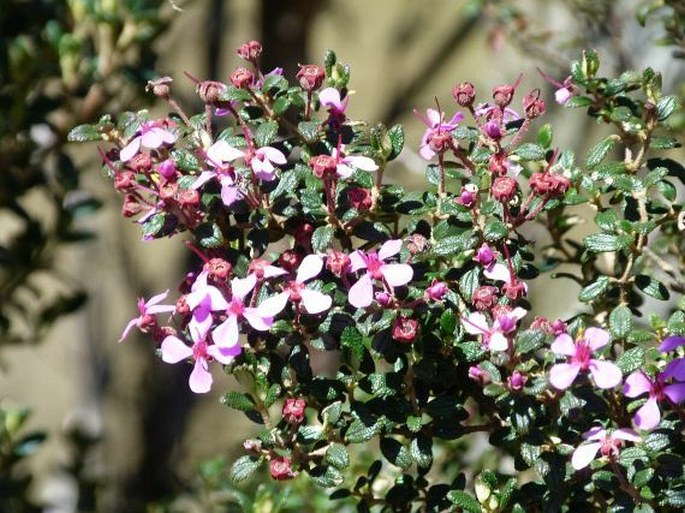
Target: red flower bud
131 206
167 192
322 165
159 86
503 94
516 381
310 77
416 243
124 181
293 410
533 105
464 94
437 290
360 198
281 468
141 162
515 290
188 198
210 91
242 78
504 189
485 297
405 329
250 51
439 141
338 263
290 260
218 269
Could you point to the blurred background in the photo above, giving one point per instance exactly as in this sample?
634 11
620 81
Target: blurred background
123 433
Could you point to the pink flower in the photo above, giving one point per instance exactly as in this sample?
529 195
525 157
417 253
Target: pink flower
226 334
670 343
145 320
151 136
491 268
175 350
261 160
605 374
435 121
294 410
494 338
313 301
345 165
608 445
395 275
437 290
330 99
219 155
203 299
638 383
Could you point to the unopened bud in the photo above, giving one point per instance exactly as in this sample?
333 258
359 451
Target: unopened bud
504 189
242 78
405 329
310 77
322 165
250 51
210 91
464 94
159 87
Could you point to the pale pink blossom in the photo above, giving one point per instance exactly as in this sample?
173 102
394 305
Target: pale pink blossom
203 299
638 383
330 99
599 440
146 311
313 301
605 374
219 155
346 165
151 136
435 121
495 336
260 160
394 275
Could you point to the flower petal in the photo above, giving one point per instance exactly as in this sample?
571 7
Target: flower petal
637 384
129 151
675 392
626 434
241 287
309 268
475 323
273 305
564 344
174 350
343 171
597 338
151 139
584 454
361 293
274 155
389 248
670 343
230 194
256 320
497 272
200 380
221 152
314 301
606 374
224 355
675 369
271 271
648 416
357 261
226 334
562 375
128 328
498 342
397 274
330 96
360 162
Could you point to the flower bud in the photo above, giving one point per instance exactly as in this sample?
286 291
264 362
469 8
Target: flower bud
124 181
503 95
281 468
141 162
504 189
485 297
242 78
323 165
293 410
437 290
533 105
416 243
182 307
464 94
131 206
468 195
338 263
484 255
310 77
159 87
253 445
493 130
515 290
290 260
383 299
405 329
210 91
167 192
303 235
257 267
167 169
439 141
516 381
360 198
218 269
478 375
558 327
188 198
250 51
542 324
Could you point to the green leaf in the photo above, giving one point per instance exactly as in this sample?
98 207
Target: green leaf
238 401
274 82
154 225
530 151
209 235
598 152
309 130
578 101
632 360
421 449
545 135
604 242
309 434
266 133
620 321
594 290
469 282
325 476
529 340
84 133
352 339
448 321
337 456
358 432
396 135
667 106
396 453
464 501
652 287
244 467
642 477
322 237
495 230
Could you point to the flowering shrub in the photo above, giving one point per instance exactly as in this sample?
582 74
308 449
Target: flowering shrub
421 299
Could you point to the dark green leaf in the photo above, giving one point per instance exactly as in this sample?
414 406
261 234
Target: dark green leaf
337 456
632 360
396 135
495 230
666 106
601 242
530 151
598 152
652 287
322 237
422 451
464 501
594 290
238 400
325 476
244 467
309 130
396 453
545 135
84 133
620 321
266 133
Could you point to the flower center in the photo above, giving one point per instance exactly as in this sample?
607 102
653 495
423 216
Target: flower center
582 356
236 307
373 265
200 350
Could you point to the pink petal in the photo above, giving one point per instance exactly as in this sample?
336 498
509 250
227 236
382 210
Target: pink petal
426 152
475 323
637 384
202 179
605 374
314 301
200 380
157 298
518 313
397 274
670 343
561 96
675 392
174 350
230 194
675 369
564 344
357 261
389 248
498 342
361 293
151 139
128 328
330 97
584 454
434 117
273 305
263 169
256 320
309 268
497 272
271 271
344 171
201 321
361 162
221 152
648 416
595 433
274 155
562 375
224 355
241 287
226 334
626 434
129 151
597 338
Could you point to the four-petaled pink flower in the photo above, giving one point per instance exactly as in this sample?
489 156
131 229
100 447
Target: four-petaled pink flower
175 350
313 301
638 383
151 136
395 275
260 160
435 122
219 155
147 310
605 374
346 165
494 338
226 334
599 440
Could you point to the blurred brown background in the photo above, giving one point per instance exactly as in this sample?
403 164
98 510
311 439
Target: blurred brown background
150 431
